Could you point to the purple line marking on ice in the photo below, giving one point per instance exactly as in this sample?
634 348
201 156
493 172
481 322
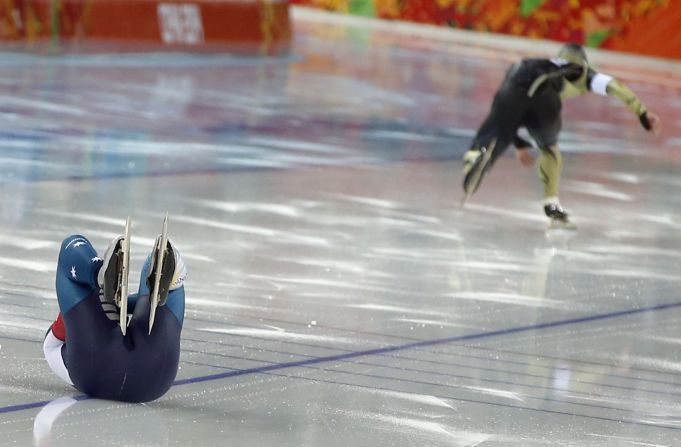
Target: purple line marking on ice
425 343
378 351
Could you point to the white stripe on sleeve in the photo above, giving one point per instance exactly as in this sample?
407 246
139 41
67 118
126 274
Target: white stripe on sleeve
599 84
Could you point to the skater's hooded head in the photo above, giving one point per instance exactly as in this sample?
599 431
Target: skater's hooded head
574 53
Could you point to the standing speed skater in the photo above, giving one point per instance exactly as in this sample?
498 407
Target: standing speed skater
531 96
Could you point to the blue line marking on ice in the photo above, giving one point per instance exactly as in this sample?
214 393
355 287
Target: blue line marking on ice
497 404
425 343
420 382
665 392
21 407
388 349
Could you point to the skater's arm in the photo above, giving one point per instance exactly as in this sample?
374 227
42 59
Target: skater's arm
606 85
553 69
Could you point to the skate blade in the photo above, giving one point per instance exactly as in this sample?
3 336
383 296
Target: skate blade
558 225
158 267
464 199
475 182
122 298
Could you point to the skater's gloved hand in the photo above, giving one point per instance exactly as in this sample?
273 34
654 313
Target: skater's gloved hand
525 157
650 122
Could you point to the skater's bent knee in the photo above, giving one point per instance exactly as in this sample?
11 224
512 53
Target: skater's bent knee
78 260
74 241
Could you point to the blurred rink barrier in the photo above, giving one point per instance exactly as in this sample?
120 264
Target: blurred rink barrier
647 27
244 27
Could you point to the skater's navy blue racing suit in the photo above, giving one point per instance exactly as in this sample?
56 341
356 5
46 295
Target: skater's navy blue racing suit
101 362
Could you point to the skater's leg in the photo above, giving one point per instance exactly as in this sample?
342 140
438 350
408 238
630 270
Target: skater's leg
544 122
549 169
76 287
90 334
498 130
479 160
491 140
544 126
113 278
77 270
494 136
156 357
159 351
175 299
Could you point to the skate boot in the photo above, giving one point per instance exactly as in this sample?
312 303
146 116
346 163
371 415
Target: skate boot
113 279
166 272
475 164
558 217
172 272
109 278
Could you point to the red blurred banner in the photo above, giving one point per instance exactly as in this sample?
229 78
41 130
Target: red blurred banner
242 26
648 27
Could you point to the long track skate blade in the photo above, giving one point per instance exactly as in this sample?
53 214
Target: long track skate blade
125 271
160 255
569 226
486 157
464 199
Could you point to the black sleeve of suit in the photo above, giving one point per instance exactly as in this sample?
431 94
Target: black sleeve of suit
571 71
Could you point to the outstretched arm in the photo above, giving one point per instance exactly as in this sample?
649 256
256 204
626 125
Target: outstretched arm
603 84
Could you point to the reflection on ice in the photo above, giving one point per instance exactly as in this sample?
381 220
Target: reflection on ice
69 421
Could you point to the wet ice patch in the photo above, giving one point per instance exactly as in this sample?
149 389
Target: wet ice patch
454 437
639 273
397 309
220 304
329 265
662 339
416 398
658 363
490 267
436 323
387 135
85 217
495 392
277 334
241 207
298 145
25 242
22 264
503 211
619 440
597 190
371 201
624 177
510 298
278 236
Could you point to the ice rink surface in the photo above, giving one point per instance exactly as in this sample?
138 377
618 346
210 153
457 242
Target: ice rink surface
337 294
